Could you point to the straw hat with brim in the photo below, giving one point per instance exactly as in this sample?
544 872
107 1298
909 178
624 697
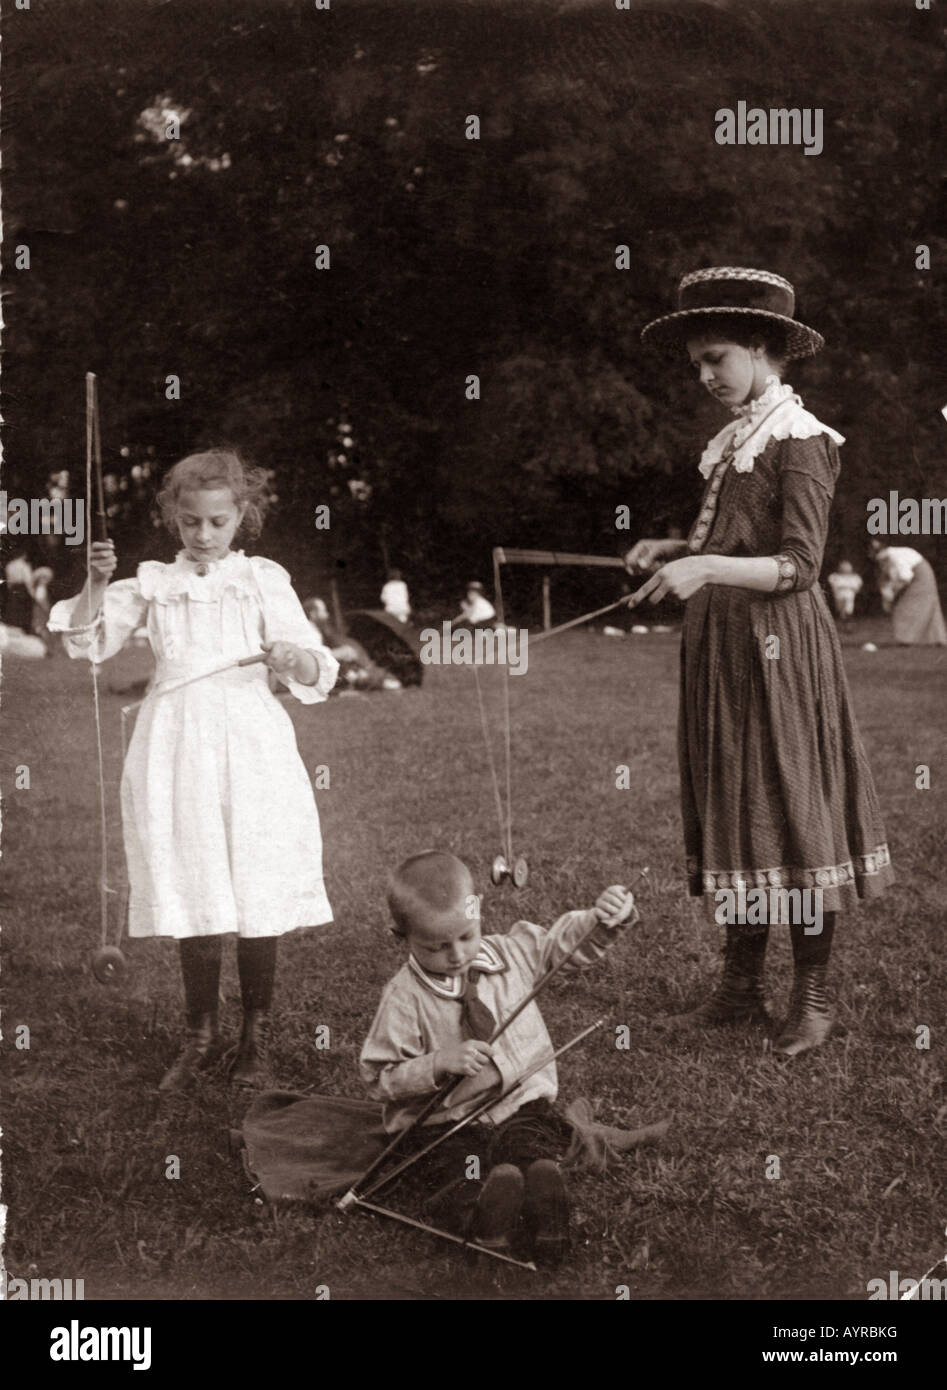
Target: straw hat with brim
764 299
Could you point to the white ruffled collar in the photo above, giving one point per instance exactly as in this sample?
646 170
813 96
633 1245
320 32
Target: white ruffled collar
776 413
206 567
774 391
204 581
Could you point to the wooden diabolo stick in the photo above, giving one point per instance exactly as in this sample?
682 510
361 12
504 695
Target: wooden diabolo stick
94 434
444 1235
585 618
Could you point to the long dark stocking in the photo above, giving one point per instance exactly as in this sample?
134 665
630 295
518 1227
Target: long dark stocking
813 949
256 966
200 969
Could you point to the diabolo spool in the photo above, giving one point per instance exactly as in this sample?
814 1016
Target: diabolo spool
109 965
499 869
518 873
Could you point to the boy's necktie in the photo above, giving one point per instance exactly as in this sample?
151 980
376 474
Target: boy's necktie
478 1018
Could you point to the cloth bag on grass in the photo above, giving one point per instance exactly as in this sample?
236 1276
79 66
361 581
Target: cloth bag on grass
305 1148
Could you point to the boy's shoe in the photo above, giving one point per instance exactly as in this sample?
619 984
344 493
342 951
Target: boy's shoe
546 1210
498 1208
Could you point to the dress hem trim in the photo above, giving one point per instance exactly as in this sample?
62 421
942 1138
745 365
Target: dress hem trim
859 869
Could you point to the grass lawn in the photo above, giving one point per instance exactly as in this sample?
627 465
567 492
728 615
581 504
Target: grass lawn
859 1127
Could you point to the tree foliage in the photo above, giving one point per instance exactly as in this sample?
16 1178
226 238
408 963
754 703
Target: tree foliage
450 257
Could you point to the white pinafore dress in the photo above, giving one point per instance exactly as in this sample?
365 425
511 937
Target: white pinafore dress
220 824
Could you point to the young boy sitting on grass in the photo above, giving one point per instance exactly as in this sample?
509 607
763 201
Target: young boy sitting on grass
432 1023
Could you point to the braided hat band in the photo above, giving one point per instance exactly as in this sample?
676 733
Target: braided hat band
726 290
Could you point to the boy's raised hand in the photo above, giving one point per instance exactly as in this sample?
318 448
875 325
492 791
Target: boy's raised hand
614 905
463 1058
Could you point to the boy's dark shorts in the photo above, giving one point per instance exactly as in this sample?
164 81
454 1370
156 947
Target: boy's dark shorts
445 1184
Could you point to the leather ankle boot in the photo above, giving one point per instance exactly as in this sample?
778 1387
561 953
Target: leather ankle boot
809 1020
197 1053
738 997
249 1064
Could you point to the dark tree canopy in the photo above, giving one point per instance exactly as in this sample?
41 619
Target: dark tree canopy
452 257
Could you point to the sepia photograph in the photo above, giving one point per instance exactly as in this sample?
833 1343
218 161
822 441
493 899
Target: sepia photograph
473 527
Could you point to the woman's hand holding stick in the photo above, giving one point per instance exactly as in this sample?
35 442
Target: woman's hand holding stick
679 579
645 556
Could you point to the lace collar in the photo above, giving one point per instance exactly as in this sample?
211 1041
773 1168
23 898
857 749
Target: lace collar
487 960
203 581
206 567
777 413
774 393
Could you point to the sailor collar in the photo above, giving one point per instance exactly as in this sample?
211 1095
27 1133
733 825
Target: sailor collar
487 961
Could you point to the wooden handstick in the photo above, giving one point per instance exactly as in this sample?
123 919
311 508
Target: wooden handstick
94 432
444 1235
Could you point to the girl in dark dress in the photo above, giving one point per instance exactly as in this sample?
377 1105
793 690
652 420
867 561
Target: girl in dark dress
776 791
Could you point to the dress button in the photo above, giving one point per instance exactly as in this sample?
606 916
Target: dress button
202 570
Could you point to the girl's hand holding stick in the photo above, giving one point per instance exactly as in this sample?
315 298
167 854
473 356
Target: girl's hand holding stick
292 662
102 565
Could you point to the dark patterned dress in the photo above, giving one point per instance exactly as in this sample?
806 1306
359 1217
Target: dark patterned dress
776 790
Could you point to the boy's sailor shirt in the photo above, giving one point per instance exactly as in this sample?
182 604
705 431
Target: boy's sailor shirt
420 1013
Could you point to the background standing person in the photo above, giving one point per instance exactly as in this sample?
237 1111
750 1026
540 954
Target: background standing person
909 593
845 585
42 578
776 791
19 635
18 591
395 598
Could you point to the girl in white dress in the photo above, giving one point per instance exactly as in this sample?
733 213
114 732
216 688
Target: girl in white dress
220 824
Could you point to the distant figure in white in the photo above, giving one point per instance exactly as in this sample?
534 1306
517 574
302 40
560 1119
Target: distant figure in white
476 610
909 593
26 608
395 598
846 585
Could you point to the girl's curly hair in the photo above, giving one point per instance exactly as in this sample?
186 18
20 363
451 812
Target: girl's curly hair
217 468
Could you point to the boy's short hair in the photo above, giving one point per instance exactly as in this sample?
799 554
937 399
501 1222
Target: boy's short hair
432 879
